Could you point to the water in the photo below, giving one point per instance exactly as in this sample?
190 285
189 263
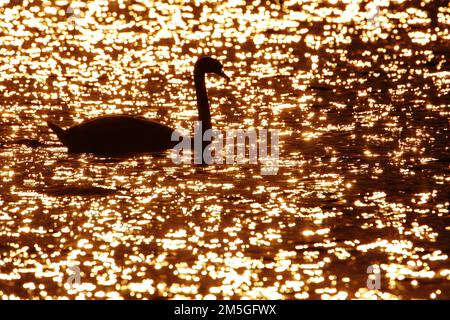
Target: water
359 91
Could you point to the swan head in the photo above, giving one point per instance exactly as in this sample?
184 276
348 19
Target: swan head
210 65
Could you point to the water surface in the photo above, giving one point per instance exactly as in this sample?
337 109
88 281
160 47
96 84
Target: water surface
359 91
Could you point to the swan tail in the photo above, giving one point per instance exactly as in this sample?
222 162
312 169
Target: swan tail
58 131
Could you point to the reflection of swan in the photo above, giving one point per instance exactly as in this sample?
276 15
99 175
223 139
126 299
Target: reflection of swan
113 135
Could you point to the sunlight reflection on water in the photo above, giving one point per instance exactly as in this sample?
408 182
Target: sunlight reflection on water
359 93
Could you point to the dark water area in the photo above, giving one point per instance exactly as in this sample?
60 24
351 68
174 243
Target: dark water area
360 94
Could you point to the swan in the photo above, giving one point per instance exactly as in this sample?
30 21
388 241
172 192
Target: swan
125 134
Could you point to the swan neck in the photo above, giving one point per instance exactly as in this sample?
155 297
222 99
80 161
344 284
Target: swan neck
202 100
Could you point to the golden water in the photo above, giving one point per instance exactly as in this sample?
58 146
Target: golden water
359 90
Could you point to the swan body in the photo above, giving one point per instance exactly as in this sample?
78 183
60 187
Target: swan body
119 134
124 134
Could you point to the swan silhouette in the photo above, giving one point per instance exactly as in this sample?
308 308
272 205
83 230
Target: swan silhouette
125 134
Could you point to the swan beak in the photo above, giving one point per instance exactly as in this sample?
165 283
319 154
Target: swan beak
222 74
